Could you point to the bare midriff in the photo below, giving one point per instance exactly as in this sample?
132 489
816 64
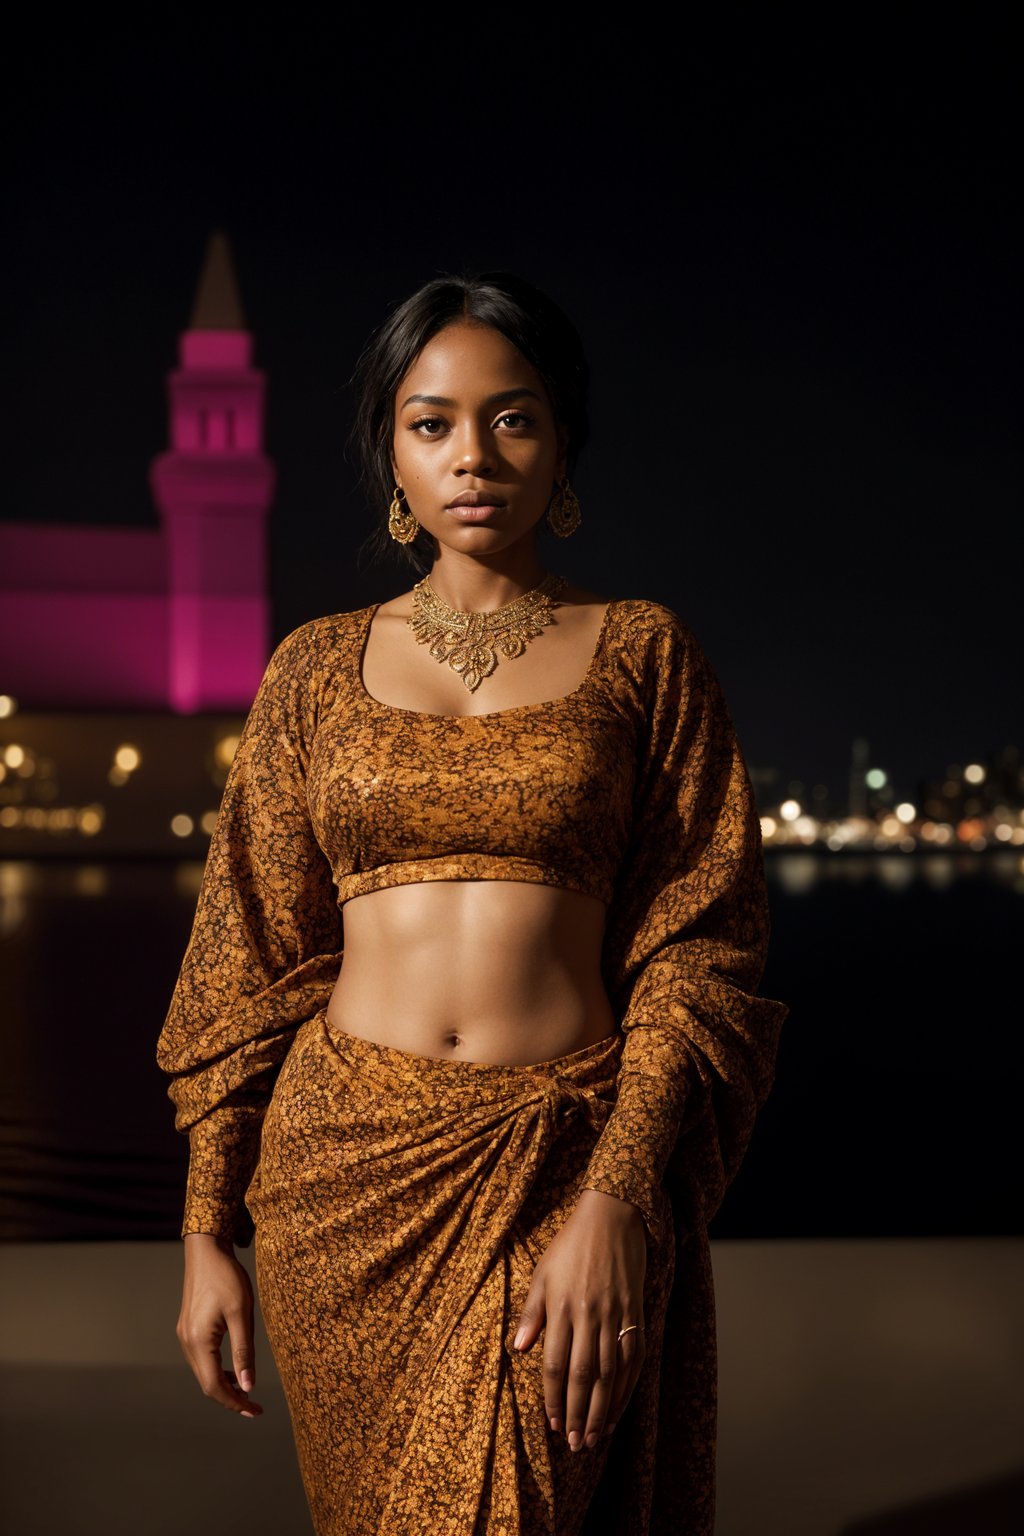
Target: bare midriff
502 971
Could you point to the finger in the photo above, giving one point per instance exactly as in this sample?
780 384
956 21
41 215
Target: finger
247 1406
631 1350
203 1356
604 1382
531 1319
243 1349
582 1374
557 1342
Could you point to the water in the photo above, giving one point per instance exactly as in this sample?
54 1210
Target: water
895 1108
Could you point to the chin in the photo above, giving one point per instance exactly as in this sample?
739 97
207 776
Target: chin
477 538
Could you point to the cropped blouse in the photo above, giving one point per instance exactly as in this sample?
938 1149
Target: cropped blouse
631 789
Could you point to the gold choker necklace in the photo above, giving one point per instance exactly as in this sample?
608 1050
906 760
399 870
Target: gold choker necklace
469 642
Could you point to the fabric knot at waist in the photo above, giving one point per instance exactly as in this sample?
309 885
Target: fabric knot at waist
565 1099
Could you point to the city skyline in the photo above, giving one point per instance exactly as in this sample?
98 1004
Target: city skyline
150 783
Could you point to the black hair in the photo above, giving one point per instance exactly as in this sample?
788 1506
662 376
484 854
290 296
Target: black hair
530 320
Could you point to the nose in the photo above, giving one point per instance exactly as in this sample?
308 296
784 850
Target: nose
474 452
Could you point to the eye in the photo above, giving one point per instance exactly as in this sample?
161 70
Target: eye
428 422
516 418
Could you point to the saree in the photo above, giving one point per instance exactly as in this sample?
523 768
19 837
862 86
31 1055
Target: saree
400 1205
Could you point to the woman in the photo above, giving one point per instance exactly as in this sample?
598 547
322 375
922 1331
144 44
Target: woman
467 1025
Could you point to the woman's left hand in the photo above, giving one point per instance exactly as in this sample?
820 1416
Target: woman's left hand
587 1286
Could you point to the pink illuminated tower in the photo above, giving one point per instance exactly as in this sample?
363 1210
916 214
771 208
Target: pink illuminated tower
170 617
213 488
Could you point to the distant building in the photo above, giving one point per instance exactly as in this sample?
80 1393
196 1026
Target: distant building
858 794
174 617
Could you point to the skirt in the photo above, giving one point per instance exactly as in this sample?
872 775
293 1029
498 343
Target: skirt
400 1205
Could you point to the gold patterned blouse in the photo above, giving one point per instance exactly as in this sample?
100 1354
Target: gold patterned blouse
632 788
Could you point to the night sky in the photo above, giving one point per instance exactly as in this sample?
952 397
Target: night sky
795 260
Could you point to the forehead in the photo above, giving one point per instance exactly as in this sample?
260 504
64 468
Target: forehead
466 362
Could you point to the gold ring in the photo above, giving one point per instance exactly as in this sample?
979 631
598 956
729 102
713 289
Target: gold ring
630 1329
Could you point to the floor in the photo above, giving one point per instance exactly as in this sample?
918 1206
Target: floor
867 1388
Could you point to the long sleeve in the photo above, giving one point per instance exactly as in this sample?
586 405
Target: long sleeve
265 949
685 947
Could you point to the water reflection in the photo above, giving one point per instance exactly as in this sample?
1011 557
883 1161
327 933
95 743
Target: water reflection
880 957
796 874
14 883
91 880
188 877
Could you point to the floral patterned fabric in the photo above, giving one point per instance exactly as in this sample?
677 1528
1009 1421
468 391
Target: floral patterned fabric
633 789
413 1197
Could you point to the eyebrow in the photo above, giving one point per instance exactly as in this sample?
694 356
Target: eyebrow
501 398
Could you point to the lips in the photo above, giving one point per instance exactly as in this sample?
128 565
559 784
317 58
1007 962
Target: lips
476 499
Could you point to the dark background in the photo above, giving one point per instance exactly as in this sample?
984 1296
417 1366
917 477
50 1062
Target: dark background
795 258
794 255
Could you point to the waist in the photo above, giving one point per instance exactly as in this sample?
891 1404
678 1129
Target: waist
493 971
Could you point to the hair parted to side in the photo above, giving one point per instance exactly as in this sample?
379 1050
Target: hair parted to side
530 320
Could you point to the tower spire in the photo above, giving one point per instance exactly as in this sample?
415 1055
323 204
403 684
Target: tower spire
213 488
218 305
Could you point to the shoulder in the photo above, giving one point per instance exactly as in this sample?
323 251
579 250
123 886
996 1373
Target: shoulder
307 665
680 703
654 635
312 644
329 629
659 662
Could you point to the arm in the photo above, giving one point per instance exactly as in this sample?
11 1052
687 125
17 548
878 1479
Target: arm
217 1300
686 943
264 953
265 949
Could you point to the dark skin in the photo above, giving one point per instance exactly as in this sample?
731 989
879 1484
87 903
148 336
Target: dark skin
487 426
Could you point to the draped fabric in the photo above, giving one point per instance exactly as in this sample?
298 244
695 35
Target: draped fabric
686 941
633 788
401 1203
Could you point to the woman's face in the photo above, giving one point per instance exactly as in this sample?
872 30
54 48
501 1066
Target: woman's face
473 424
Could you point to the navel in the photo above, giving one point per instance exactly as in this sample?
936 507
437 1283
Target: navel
453 1039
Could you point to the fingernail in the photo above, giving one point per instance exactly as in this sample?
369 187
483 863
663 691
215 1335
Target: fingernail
556 1424
592 1439
520 1339
246 1381
246 1415
609 1427
574 1439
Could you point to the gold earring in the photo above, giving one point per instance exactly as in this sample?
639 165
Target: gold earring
402 526
564 515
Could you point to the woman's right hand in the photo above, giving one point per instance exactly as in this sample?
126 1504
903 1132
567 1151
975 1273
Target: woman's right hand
217 1299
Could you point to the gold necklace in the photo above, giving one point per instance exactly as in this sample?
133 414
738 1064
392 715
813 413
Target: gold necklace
469 641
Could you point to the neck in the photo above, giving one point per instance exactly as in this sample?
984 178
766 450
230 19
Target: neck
472 585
